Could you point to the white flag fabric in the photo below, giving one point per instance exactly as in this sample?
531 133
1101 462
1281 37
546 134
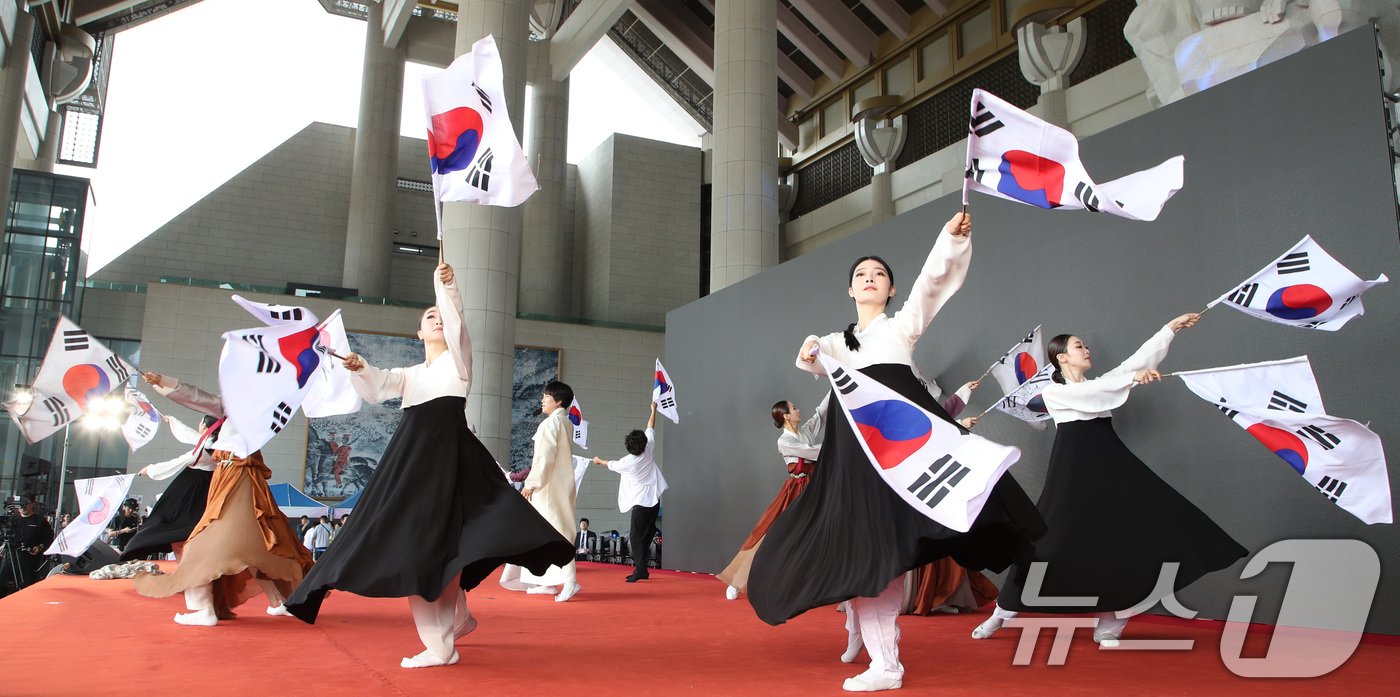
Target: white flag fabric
580 468
1016 156
98 500
937 469
1025 402
663 392
264 375
142 423
331 392
472 147
580 427
1305 287
1278 404
273 315
77 368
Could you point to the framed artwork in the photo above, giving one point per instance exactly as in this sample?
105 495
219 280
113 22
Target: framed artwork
534 367
342 451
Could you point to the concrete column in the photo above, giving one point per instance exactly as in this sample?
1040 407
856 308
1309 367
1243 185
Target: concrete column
547 247
880 140
1047 57
744 220
483 242
369 231
12 78
53 140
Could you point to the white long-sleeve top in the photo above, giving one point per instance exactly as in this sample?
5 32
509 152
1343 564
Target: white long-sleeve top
642 483
449 375
806 443
193 460
1094 399
891 339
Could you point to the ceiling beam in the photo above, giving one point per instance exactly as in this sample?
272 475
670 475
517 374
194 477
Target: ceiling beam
580 32
810 44
397 13
894 17
840 26
683 33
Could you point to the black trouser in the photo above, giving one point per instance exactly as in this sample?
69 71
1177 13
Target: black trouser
643 529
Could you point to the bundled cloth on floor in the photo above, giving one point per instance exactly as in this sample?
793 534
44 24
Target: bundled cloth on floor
127 569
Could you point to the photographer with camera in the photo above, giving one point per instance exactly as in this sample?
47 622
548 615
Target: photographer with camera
124 524
27 534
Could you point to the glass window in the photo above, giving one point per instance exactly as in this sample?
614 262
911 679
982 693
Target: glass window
975 33
899 78
935 58
835 116
866 90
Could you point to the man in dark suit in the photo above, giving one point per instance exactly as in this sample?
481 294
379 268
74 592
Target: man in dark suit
585 541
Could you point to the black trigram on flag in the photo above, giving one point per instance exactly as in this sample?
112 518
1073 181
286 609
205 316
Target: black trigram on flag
975 171
983 121
1086 196
843 381
143 430
75 340
1232 413
666 402
1331 488
1245 295
480 174
58 410
118 368
266 363
942 477
1321 437
281 414
1346 302
481 94
1282 402
1296 262
293 314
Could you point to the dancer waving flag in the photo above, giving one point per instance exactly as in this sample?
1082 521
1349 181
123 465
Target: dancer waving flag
663 393
1013 155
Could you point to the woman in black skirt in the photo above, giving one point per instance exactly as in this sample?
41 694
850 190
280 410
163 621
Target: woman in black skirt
437 516
1113 523
180 507
849 536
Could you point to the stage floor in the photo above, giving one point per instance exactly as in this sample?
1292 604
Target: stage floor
674 633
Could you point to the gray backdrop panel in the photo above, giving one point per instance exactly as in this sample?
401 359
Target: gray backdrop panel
1298 147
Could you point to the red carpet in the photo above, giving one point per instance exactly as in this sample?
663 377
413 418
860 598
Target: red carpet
674 633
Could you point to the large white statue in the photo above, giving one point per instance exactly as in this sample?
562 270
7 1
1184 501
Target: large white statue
1187 47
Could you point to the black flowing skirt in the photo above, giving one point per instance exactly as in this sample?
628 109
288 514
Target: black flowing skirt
436 506
1112 524
849 534
173 517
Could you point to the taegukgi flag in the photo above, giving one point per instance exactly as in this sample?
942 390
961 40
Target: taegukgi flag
98 500
77 369
331 392
578 424
663 392
1025 402
472 148
1013 155
142 423
1279 404
264 375
1305 287
939 470
1020 362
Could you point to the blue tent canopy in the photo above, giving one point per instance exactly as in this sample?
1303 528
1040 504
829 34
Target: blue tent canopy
294 503
345 506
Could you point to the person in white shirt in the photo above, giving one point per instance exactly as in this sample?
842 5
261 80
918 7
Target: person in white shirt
550 489
849 536
639 491
318 537
1113 523
436 516
177 510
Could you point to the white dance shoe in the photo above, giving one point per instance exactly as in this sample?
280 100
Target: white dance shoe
731 593
987 628
570 590
871 681
541 590
854 644
278 610
427 660
200 618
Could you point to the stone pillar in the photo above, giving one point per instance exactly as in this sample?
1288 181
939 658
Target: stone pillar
880 141
744 218
1048 56
483 242
13 74
547 248
369 230
53 140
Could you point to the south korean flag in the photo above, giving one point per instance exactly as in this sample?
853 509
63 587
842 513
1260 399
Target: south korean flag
1016 156
76 370
663 392
937 469
1025 402
577 424
142 423
1305 287
264 375
1279 405
1017 366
